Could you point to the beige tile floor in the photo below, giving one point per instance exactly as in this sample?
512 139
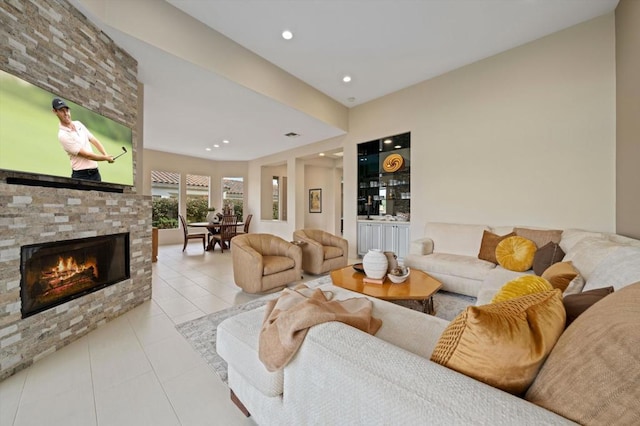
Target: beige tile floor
137 369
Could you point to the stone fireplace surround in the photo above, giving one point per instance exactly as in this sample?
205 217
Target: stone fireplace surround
53 45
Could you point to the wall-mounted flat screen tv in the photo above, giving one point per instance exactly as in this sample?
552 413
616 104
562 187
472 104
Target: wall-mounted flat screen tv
29 134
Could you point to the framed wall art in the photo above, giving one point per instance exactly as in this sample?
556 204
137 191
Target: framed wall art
315 200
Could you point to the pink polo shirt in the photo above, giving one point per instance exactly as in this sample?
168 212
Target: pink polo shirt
72 142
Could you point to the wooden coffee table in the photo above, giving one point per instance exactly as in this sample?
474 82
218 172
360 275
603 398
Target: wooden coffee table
418 286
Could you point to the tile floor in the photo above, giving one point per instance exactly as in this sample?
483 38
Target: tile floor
137 369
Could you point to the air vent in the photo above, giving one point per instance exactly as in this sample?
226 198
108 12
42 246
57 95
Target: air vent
291 135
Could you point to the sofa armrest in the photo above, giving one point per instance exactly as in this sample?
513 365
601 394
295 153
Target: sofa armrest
344 376
421 247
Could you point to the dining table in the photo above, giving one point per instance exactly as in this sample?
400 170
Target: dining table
213 227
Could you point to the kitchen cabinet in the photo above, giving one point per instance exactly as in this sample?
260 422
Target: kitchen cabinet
383 235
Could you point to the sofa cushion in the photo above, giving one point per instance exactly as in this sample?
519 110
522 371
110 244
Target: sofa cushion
570 237
560 275
521 286
455 238
540 237
589 252
453 264
516 253
275 264
592 374
331 252
503 344
576 304
494 281
618 269
546 256
488 246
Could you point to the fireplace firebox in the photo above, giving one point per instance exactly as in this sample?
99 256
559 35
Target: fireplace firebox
56 272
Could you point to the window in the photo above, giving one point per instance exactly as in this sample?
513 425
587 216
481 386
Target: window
276 198
233 194
165 190
198 198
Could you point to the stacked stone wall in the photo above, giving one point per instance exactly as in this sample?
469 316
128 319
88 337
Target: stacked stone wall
51 44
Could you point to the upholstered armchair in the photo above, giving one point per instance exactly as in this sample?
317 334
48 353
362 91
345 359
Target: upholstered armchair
263 262
323 251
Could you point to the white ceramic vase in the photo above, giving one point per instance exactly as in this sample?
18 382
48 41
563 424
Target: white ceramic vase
375 264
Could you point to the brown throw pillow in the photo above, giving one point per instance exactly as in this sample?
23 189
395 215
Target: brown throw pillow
503 344
546 256
488 245
576 304
560 274
592 374
539 236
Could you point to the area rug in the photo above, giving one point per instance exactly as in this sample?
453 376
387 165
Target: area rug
201 332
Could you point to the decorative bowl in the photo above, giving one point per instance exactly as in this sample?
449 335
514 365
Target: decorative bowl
399 279
358 267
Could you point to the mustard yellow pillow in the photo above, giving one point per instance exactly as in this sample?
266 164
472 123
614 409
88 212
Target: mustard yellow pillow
521 286
503 344
516 253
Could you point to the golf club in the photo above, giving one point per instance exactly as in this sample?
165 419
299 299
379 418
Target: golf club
120 155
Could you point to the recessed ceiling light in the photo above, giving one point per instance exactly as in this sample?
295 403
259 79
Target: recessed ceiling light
216 146
321 154
287 35
388 141
207 149
346 78
397 146
225 141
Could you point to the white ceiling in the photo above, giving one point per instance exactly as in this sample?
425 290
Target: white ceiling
385 45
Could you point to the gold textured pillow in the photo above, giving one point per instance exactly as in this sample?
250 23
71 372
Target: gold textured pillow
560 274
503 344
488 245
516 253
521 286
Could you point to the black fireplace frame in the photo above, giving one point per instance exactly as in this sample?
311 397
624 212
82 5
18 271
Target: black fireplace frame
78 294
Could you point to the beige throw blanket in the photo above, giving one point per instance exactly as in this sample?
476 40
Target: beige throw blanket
288 318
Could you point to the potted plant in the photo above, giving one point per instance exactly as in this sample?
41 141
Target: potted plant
211 216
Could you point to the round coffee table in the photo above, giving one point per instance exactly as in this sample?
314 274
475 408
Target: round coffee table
418 286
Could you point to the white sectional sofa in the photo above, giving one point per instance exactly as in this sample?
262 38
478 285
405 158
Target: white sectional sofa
342 376
449 252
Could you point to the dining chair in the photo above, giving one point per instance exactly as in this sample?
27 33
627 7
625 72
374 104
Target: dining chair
227 232
247 221
191 236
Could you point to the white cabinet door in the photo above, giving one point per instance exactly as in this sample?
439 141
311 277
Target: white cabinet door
369 237
402 240
395 238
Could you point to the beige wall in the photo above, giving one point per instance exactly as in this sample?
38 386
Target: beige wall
216 170
628 114
525 137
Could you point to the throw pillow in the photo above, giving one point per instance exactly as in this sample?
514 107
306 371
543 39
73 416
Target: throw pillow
516 253
576 304
560 274
488 246
541 237
546 256
592 374
521 286
503 344
575 286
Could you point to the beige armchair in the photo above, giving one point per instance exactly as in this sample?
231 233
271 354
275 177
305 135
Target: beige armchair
263 262
323 251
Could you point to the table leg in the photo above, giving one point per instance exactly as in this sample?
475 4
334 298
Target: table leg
427 306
